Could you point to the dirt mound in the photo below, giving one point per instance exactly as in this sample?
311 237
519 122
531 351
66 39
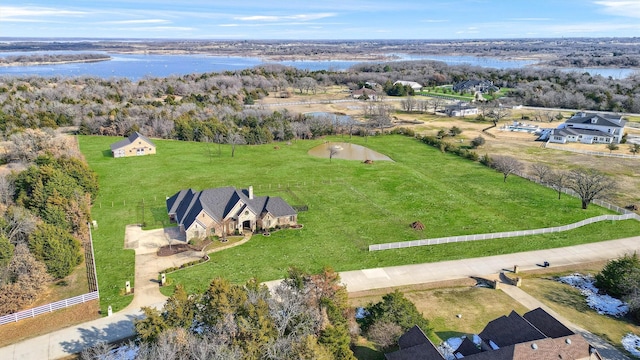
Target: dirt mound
417 225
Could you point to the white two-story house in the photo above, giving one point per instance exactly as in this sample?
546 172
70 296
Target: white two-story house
590 128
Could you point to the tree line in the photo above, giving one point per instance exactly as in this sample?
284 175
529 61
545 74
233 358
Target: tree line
52 58
306 316
44 210
213 106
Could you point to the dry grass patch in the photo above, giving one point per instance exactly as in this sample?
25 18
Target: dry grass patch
44 324
441 306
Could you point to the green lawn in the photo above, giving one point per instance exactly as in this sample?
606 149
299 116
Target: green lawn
351 205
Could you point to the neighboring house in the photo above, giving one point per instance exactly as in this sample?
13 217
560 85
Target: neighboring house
535 335
224 211
364 93
134 145
461 109
481 86
589 128
414 85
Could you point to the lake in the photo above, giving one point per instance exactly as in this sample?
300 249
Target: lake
138 66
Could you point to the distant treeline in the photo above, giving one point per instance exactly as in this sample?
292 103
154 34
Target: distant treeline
534 48
224 107
52 58
584 61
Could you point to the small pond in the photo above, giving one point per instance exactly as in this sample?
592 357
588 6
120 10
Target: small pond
348 151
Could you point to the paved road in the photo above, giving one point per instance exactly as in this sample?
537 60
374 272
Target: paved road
71 340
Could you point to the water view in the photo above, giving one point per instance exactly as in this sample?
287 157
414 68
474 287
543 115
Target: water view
347 151
138 66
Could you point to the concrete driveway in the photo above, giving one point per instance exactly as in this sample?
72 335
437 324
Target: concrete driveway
148 264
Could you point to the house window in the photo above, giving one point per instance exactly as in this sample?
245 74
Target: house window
246 212
291 218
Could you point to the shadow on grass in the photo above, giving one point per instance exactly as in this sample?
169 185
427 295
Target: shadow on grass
444 335
567 296
106 153
367 353
159 216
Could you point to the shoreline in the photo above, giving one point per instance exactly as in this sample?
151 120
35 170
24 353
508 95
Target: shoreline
40 63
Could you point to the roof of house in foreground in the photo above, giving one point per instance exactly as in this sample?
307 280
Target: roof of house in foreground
535 335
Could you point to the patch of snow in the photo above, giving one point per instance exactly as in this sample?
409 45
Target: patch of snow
361 313
631 343
455 342
446 350
603 304
124 352
450 345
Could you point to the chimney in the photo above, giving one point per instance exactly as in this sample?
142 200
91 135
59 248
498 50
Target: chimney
250 192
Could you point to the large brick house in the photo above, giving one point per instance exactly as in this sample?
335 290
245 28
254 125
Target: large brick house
135 144
534 335
226 210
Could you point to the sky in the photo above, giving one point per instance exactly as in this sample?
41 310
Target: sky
319 19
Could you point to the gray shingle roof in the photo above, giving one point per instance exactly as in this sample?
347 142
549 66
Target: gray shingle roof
509 330
576 132
546 323
467 347
415 345
129 140
218 203
600 119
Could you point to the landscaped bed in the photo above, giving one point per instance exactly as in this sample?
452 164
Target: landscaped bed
351 205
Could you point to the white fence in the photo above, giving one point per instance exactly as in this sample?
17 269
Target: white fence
587 152
507 234
48 308
92 295
625 215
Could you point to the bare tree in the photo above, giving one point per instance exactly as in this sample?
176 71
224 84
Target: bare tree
590 184
558 181
498 113
234 139
384 334
506 165
541 171
437 103
7 189
408 104
19 224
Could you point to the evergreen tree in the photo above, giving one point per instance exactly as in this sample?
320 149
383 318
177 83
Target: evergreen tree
395 308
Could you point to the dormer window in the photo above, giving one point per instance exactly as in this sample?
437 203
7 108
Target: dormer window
594 120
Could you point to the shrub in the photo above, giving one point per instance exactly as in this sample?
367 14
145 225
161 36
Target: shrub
56 248
615 276
477 142
395 309
486 160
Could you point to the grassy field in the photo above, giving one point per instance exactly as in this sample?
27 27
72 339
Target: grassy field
351 205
